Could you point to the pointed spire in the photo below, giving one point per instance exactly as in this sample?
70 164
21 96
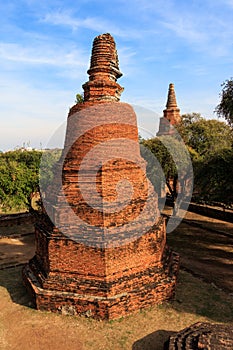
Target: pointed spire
171 115
104 59
104 71
172 112
171 99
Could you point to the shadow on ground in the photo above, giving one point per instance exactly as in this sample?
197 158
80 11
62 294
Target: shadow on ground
11 280
17 246
206 250
151 341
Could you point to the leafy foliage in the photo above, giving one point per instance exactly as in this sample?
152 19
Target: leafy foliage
210 146
213 180
19 176
225 107
48 160
171 158
209 143
204 136
79 98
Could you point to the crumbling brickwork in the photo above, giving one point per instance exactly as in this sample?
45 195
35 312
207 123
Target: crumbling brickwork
202 336
101 242
104 71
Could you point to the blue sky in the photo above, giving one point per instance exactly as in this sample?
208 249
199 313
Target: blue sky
45 50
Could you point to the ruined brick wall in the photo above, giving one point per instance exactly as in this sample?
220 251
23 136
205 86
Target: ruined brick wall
202 336
101 243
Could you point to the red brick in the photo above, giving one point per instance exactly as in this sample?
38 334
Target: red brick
110 262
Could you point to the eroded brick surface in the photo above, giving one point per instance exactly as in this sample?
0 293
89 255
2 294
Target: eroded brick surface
202 336
101 243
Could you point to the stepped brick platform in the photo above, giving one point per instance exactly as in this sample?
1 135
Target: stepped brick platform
101 242
203 336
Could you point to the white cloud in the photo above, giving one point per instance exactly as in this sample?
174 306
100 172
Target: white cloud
127 62
30 114
228 2
189 43
211 36
184 28
96 24
65 19
205 27
42 55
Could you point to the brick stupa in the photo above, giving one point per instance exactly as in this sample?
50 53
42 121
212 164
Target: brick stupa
101 243
171 115
202 335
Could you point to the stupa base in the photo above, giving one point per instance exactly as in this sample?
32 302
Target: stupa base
160 288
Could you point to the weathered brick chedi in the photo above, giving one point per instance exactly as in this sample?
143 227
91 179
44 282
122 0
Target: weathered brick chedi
202 336
101 243
171 115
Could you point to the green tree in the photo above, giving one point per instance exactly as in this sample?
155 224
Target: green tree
213 177
209 143
185 126
48 160
225 107
79 98
18 178
172 158
210 146
204 136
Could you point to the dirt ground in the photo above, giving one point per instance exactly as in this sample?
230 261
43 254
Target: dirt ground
206 256
205 246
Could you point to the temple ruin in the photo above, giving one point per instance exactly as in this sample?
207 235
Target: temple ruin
202 335
171 115
101 243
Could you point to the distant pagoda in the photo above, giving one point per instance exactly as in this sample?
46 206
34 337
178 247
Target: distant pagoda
171 115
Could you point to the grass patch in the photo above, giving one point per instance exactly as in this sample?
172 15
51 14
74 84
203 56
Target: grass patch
147 329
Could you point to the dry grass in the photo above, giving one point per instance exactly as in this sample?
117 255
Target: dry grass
25 328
